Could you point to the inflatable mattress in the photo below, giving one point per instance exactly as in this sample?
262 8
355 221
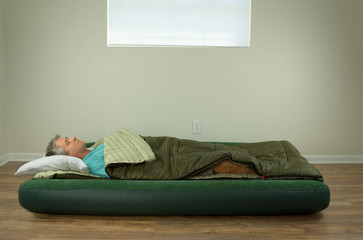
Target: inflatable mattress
173 197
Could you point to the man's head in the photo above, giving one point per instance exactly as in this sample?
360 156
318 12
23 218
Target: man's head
67 146
53 149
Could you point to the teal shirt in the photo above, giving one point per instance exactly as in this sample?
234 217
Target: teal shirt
95 161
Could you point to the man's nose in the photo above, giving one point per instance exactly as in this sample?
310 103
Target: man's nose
73 138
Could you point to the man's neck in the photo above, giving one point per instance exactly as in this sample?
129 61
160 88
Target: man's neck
84 154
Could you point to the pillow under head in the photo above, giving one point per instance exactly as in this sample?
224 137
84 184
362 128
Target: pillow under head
52 163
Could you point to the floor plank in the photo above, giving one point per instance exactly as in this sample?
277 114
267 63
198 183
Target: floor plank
343 219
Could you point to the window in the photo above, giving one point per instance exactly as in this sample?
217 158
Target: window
224 23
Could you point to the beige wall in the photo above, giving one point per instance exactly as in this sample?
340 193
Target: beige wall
301 80
3 138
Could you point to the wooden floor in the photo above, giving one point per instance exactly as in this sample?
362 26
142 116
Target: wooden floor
343 219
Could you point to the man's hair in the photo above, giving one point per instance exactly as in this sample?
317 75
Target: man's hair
53 149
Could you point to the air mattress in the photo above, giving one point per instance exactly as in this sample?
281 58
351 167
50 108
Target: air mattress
173 197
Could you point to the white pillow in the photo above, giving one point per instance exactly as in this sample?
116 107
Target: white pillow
56 162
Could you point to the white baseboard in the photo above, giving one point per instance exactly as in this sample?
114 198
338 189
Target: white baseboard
24 157
19 157
4 159
314 159
334 159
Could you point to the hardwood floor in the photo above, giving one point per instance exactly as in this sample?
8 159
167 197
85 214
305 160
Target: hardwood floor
343 219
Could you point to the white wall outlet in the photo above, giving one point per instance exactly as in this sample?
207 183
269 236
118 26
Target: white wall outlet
197 126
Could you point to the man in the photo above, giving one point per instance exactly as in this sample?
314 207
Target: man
69 146
94 159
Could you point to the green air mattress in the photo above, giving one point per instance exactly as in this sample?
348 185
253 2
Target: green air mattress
173 197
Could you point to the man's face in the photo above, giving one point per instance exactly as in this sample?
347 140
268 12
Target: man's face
72 145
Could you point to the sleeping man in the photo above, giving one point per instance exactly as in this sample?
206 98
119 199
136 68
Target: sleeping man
126 155
94 158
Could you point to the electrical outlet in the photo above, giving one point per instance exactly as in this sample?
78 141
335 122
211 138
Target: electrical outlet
197 126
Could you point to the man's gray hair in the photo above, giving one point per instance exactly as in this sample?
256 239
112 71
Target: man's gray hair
53 149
